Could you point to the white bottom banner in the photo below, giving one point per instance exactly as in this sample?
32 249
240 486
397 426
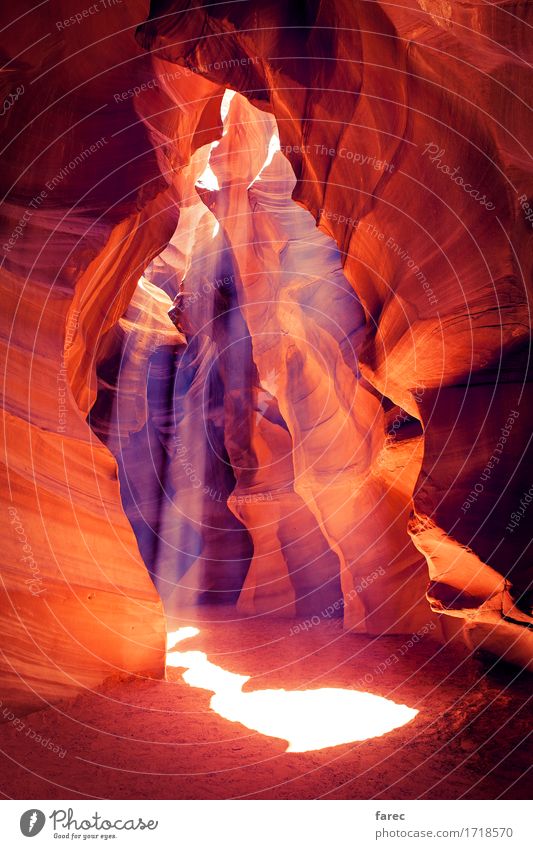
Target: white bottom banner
263 824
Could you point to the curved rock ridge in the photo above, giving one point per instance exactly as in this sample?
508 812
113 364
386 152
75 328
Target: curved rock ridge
77 603
306 327
270 376
90 199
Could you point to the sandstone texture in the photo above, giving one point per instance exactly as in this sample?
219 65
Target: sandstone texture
267 347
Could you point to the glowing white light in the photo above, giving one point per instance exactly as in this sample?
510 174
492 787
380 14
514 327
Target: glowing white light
154 291
174 637
216 228
306 719
208 179
224 106
273 147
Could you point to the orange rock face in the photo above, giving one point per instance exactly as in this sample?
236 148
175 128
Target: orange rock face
407 132
338 425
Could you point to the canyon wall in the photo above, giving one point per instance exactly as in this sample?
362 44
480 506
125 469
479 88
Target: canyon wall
406 127
84 207
387 432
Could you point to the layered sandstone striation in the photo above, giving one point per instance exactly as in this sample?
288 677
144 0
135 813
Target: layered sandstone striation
78 217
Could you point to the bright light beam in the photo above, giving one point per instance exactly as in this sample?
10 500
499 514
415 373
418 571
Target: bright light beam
306 719
154 291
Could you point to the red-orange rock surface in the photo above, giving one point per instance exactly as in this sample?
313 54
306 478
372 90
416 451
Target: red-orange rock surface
320 364
379 110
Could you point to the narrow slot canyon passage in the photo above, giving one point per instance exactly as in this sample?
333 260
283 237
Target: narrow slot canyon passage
266 420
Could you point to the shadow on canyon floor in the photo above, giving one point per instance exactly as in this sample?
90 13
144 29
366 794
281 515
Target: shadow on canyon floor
144 739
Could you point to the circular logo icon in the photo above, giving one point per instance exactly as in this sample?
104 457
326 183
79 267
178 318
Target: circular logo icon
32 822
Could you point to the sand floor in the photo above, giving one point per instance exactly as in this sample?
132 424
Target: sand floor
145 739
